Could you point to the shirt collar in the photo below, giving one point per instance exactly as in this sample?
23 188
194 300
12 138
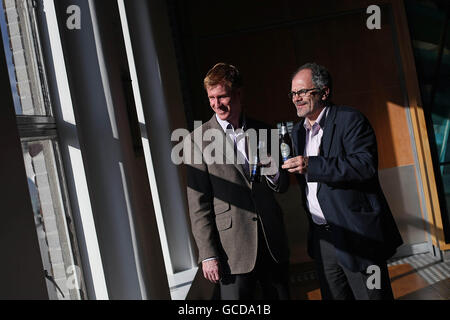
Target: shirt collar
320 120
224 123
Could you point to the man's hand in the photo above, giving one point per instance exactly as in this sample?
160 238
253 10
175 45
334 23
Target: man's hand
211 270
296 165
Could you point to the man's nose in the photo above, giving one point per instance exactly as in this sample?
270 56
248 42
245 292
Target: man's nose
297 98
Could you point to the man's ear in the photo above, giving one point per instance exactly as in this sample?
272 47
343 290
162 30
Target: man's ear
325 93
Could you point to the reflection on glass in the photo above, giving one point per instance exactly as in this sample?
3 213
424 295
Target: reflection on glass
23 58
9 61
62 274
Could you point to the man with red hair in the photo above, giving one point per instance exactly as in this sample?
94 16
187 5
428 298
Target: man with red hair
237 224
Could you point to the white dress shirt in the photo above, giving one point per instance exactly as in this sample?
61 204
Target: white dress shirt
314 135
237 136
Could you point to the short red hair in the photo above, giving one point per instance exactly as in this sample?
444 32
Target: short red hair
224 74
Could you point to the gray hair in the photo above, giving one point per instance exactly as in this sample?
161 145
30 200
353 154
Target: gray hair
321 77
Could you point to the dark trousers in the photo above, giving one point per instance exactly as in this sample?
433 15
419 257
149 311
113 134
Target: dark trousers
272 277
340 283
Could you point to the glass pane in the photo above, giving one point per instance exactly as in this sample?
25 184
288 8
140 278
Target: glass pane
441 107
9 60
427 22
445 171
23 58
441 127
62 273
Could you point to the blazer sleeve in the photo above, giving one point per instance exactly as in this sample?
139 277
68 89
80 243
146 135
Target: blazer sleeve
200 201
358 160
282 183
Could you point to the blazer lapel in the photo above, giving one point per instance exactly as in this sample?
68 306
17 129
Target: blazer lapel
298 138
327 138
328 132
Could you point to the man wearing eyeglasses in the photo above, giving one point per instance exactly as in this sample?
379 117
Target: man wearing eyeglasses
352 231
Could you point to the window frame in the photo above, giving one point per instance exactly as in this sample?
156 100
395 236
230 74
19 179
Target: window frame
35 127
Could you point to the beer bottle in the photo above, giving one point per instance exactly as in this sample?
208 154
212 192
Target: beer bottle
285 143
255 168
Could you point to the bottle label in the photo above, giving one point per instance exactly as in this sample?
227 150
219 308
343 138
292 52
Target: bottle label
285 151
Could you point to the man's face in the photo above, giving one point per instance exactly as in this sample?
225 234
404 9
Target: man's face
225 102
312 103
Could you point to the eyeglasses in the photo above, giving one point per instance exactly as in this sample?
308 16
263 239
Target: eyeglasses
301 93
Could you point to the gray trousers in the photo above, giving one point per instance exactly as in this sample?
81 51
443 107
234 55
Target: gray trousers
340 283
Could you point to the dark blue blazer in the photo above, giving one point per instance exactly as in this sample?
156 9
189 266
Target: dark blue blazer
363 228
